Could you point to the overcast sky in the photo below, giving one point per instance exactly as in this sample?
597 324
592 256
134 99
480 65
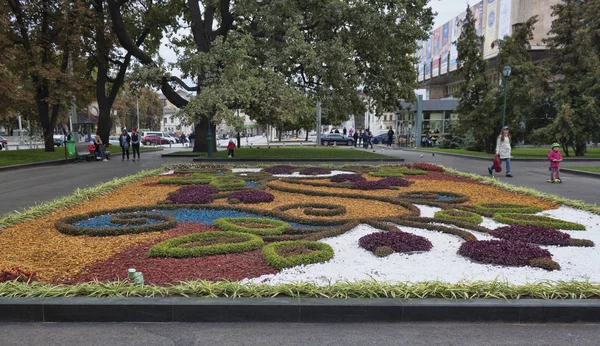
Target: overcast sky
446 10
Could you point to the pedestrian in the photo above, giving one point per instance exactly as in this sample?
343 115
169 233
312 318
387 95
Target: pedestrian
360 137
100 148
345 131
390 137
503 151
365 136
192 137
355 136
370 139
230 148
125 142
182 139
351 133
555 158
135 143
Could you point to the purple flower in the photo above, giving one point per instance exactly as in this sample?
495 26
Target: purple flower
314 171
196 194
532 234
340 178
251 196
282 169
395 181
503 252
399 241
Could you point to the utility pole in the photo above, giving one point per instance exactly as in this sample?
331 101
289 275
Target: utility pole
318 122
137 108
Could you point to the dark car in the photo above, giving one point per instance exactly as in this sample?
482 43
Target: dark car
3 143
155 139
58 140
336 138
383 138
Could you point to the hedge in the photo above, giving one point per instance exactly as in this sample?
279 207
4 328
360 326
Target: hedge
229 224
460 215
507 208
536 220
321 252
65 225
170 248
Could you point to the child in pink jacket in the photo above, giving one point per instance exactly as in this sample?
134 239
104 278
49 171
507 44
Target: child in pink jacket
555 158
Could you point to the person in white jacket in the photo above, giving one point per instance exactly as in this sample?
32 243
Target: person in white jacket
503 151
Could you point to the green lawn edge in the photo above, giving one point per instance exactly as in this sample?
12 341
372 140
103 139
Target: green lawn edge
340 290
517 153
591 169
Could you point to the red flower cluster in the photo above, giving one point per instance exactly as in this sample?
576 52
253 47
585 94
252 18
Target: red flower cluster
282 169
532 234
503 252
424 166
314 171
16 274
251 196
195 194
399 241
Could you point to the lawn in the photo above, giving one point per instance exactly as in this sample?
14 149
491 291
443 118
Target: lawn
520 153
24 156
299 153
258 230
593 169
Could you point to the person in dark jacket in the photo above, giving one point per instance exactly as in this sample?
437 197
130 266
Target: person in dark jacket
125 142
355 136
135 143
390 137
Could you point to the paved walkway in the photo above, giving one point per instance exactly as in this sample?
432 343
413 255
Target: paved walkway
26 187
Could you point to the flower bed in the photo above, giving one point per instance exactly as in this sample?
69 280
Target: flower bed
282 169
532 235
397 241
293 253
459 215
507 208
250 196
314 171
197 194
503 252
206 244
537 220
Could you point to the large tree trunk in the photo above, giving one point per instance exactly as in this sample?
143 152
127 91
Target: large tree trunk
200 141
104 122
306 135
580 148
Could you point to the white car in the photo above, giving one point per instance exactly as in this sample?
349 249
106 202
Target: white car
113 140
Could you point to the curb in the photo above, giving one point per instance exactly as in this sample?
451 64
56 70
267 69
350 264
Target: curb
391 160
36 164
180 309
491 158
583 173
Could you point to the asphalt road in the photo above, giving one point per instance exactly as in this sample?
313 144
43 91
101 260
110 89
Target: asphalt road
343 334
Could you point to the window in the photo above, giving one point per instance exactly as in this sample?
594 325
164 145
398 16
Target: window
165 121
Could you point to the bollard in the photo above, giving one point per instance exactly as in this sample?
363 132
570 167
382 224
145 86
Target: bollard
136 276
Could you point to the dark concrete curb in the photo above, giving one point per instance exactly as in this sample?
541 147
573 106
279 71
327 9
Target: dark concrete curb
36 164
491 158
583 173
390 160
179 309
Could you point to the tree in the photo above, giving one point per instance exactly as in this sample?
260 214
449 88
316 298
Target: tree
315 49
473 93
574 63
45 36
129 100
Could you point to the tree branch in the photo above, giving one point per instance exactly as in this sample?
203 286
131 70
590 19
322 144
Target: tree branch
183 84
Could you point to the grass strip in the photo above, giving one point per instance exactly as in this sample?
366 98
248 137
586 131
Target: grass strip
80 195
299 152
592 169
517 153
340 290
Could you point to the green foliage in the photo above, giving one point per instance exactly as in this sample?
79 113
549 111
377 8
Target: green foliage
460 215
383 251
311 252
400 171
536 220
259 226
212 243
507 208
227 182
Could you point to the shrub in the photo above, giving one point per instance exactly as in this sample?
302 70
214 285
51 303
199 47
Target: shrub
544 263
206 244
340 178
16 274
383 251
308 252
201 194
282 169
184 181
395 181
427 167
315 171
253 225
502 252
532 234
315 209
251 196
225 182
459 215
536 220
507 208
398 241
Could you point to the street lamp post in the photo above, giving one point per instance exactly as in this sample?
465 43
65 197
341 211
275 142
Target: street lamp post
506 72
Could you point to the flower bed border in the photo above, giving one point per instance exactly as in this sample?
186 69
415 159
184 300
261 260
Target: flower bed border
323 252
446 214
511 208
65 225
168 248
227 225
545 221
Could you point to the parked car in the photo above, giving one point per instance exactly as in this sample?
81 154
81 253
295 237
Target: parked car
161 134
175 137
114 140
155 139
3 143
337 138
382 137
58 140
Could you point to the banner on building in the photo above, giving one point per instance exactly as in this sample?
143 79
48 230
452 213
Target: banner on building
437 45
505 19
428 59
446 42
478 14
457 23
490 49
421 61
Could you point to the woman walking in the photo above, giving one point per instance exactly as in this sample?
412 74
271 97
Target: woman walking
125 142
503 150
135 143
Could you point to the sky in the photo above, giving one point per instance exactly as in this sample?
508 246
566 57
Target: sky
446 10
